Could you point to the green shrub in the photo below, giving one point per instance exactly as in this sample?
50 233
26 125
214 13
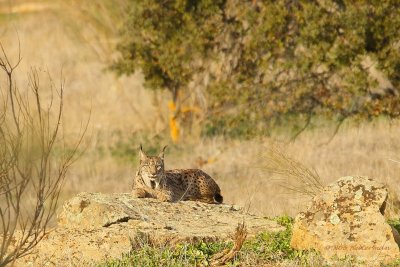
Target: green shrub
258 61
395 223
181 255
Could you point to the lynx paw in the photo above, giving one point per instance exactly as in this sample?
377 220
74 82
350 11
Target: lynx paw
139 193
164 196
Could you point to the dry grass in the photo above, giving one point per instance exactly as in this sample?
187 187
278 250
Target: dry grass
117 108
363 150
291 174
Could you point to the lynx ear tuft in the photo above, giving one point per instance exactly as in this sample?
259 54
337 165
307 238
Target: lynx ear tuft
161 155
142 154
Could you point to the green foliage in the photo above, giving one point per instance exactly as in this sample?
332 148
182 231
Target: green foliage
231 126
395 223
395 263
264 249
261 60
275 247
285 220
180 255
163 38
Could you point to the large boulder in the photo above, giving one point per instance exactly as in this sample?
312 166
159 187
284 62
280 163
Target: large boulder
346 219
93 227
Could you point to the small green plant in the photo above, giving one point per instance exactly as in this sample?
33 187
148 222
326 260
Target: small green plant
273 246
395 263
395 223
199 254
265 248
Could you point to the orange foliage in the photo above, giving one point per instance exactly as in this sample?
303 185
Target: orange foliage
173 124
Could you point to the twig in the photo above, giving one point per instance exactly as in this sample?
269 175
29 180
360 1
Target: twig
308 121
227 255
341 120
27 165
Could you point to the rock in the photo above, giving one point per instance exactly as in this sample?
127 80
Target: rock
93 227
346 219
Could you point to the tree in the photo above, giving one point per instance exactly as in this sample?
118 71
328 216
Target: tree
259 62
33 161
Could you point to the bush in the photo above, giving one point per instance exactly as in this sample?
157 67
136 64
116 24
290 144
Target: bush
264 60
33 161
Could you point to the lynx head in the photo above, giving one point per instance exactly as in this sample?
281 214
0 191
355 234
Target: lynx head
152 168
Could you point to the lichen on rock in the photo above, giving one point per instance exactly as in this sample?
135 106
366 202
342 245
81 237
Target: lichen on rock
347 219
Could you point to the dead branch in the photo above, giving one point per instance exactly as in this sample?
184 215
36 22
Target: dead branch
33 165
8 69
308 121
227 255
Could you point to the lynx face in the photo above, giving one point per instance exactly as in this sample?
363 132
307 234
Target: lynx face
152 169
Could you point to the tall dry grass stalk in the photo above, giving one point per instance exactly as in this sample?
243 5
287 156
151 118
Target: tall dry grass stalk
290 173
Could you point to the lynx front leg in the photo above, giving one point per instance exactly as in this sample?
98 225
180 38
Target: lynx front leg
140 193
151 193
163 196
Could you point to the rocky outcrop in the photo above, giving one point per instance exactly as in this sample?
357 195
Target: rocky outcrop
93 227
346 219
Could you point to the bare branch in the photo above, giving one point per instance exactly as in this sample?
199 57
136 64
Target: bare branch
308 121
8 68
225 256
28 165
337 128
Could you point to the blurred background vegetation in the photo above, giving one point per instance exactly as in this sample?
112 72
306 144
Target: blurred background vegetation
219 82
243 67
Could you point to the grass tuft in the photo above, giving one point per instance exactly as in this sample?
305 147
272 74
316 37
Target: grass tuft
291 174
